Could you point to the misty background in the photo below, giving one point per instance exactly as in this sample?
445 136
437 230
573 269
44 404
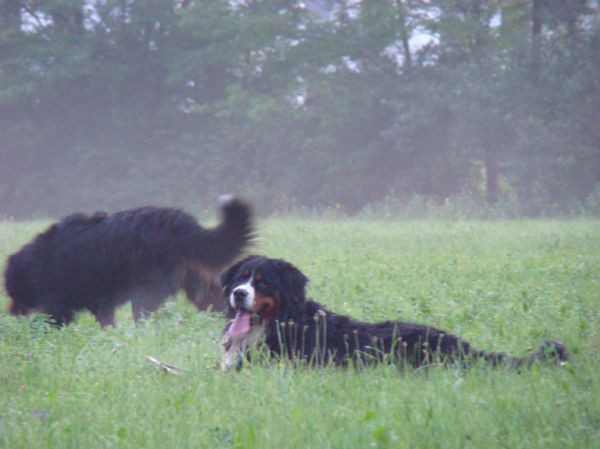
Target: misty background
471 108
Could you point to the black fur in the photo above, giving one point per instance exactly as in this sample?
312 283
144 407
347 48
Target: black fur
101 261
305 330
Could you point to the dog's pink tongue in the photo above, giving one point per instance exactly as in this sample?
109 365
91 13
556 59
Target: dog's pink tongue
240 324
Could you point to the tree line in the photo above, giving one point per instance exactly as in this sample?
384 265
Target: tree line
114 103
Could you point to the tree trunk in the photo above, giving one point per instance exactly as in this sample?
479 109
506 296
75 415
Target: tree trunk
492 176
404 37
536 35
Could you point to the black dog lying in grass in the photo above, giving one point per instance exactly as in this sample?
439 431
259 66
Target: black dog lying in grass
144 255
268 298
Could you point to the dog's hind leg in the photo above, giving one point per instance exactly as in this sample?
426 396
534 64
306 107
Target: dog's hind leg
192 284
460 350
144 303
105 316
203 292
152 293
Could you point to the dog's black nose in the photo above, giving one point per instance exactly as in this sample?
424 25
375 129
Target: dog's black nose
239 296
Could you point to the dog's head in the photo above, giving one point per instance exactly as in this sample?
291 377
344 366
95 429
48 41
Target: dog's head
21 300
259 291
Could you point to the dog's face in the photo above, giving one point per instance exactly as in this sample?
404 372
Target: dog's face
259 290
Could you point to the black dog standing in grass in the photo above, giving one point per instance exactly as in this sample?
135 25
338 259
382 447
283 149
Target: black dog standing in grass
270 306
144 255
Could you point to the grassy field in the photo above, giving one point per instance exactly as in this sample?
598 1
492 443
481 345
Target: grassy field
502 285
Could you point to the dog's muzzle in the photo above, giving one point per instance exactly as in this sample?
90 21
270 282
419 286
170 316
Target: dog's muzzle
239 297
242 297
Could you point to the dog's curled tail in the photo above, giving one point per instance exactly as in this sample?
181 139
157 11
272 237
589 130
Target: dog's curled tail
225 242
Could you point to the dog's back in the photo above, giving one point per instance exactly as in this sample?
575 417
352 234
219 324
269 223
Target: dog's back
98 262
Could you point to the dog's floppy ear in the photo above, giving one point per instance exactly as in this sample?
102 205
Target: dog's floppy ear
293 281
228 275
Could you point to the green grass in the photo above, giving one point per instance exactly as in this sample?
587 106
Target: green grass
501 285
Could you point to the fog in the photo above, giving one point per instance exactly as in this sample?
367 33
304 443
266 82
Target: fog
408 109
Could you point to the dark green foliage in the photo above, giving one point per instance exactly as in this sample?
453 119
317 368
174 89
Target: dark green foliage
122 102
